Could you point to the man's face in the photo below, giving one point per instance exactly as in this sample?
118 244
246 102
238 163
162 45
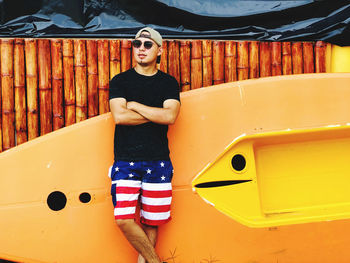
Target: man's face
144 55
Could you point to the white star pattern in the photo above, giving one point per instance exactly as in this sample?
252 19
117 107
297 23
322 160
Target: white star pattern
117 169
149 171
162 164
131 175
131 164
163 178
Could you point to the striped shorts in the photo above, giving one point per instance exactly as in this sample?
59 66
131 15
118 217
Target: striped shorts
151 179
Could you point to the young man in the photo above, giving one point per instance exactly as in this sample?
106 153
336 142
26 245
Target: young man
143 102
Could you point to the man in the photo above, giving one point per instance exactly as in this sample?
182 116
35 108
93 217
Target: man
143 102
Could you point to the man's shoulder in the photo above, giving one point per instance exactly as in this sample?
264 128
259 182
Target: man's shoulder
166 76
123 75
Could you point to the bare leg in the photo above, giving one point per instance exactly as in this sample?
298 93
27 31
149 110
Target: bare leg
151 232
138 239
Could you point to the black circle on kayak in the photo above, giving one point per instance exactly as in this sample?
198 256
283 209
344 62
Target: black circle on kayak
85 197
238 162
56 201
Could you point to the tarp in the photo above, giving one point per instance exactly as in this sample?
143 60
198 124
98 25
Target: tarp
302 20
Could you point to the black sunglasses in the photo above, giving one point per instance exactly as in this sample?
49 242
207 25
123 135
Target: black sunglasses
137 44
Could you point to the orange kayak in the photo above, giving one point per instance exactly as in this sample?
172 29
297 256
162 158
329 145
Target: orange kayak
55 204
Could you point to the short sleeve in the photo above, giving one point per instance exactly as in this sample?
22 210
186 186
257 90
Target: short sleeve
116 88
172 90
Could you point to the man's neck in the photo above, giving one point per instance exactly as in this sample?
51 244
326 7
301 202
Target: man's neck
148 70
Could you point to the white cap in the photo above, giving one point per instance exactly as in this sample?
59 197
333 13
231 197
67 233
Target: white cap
153 34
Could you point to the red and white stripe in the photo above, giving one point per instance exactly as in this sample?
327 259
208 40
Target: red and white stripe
156 200
127 192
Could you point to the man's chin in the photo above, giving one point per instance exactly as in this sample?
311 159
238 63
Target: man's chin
144 63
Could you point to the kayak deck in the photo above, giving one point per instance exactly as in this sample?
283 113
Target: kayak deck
284 177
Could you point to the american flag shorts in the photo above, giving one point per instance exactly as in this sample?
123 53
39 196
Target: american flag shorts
151 179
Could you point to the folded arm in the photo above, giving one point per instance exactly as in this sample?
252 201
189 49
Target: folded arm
124 116
166 115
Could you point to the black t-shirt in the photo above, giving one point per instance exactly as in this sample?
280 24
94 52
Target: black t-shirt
148 141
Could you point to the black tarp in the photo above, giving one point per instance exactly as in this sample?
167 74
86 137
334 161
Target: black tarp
304 20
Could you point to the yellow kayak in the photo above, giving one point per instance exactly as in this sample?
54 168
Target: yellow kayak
284 177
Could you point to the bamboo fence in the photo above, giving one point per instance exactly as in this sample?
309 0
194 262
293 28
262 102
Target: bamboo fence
47 84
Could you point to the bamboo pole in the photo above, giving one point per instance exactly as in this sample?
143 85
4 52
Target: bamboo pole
80 80
196 64
207 49
114 56
8 129
276 58
91 50
320 57
57 85
254 60
32 88
163 66
286 58
20 92
68 77
265 59
297 57
218 62
45 89
133 60
103 75
242 60
174 59
328 61
230 61
308 55
185 65
125 55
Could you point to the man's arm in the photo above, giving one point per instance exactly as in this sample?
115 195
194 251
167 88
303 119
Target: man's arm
166 115
124 116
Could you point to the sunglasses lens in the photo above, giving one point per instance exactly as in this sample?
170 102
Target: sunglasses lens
148 44
136 43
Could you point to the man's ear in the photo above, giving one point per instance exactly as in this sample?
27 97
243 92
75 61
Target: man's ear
160 50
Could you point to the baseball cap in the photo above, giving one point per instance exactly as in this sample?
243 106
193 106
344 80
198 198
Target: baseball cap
153 34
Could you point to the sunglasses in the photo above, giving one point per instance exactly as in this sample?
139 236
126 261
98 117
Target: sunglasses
138 43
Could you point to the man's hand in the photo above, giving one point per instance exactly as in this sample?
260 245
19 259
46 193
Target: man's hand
131 105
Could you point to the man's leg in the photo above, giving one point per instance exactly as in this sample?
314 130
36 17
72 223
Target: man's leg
156 196
151 232
125 191
138 239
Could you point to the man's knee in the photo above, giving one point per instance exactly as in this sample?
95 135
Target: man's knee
124 223
149 227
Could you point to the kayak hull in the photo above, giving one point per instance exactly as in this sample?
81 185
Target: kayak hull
44 217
